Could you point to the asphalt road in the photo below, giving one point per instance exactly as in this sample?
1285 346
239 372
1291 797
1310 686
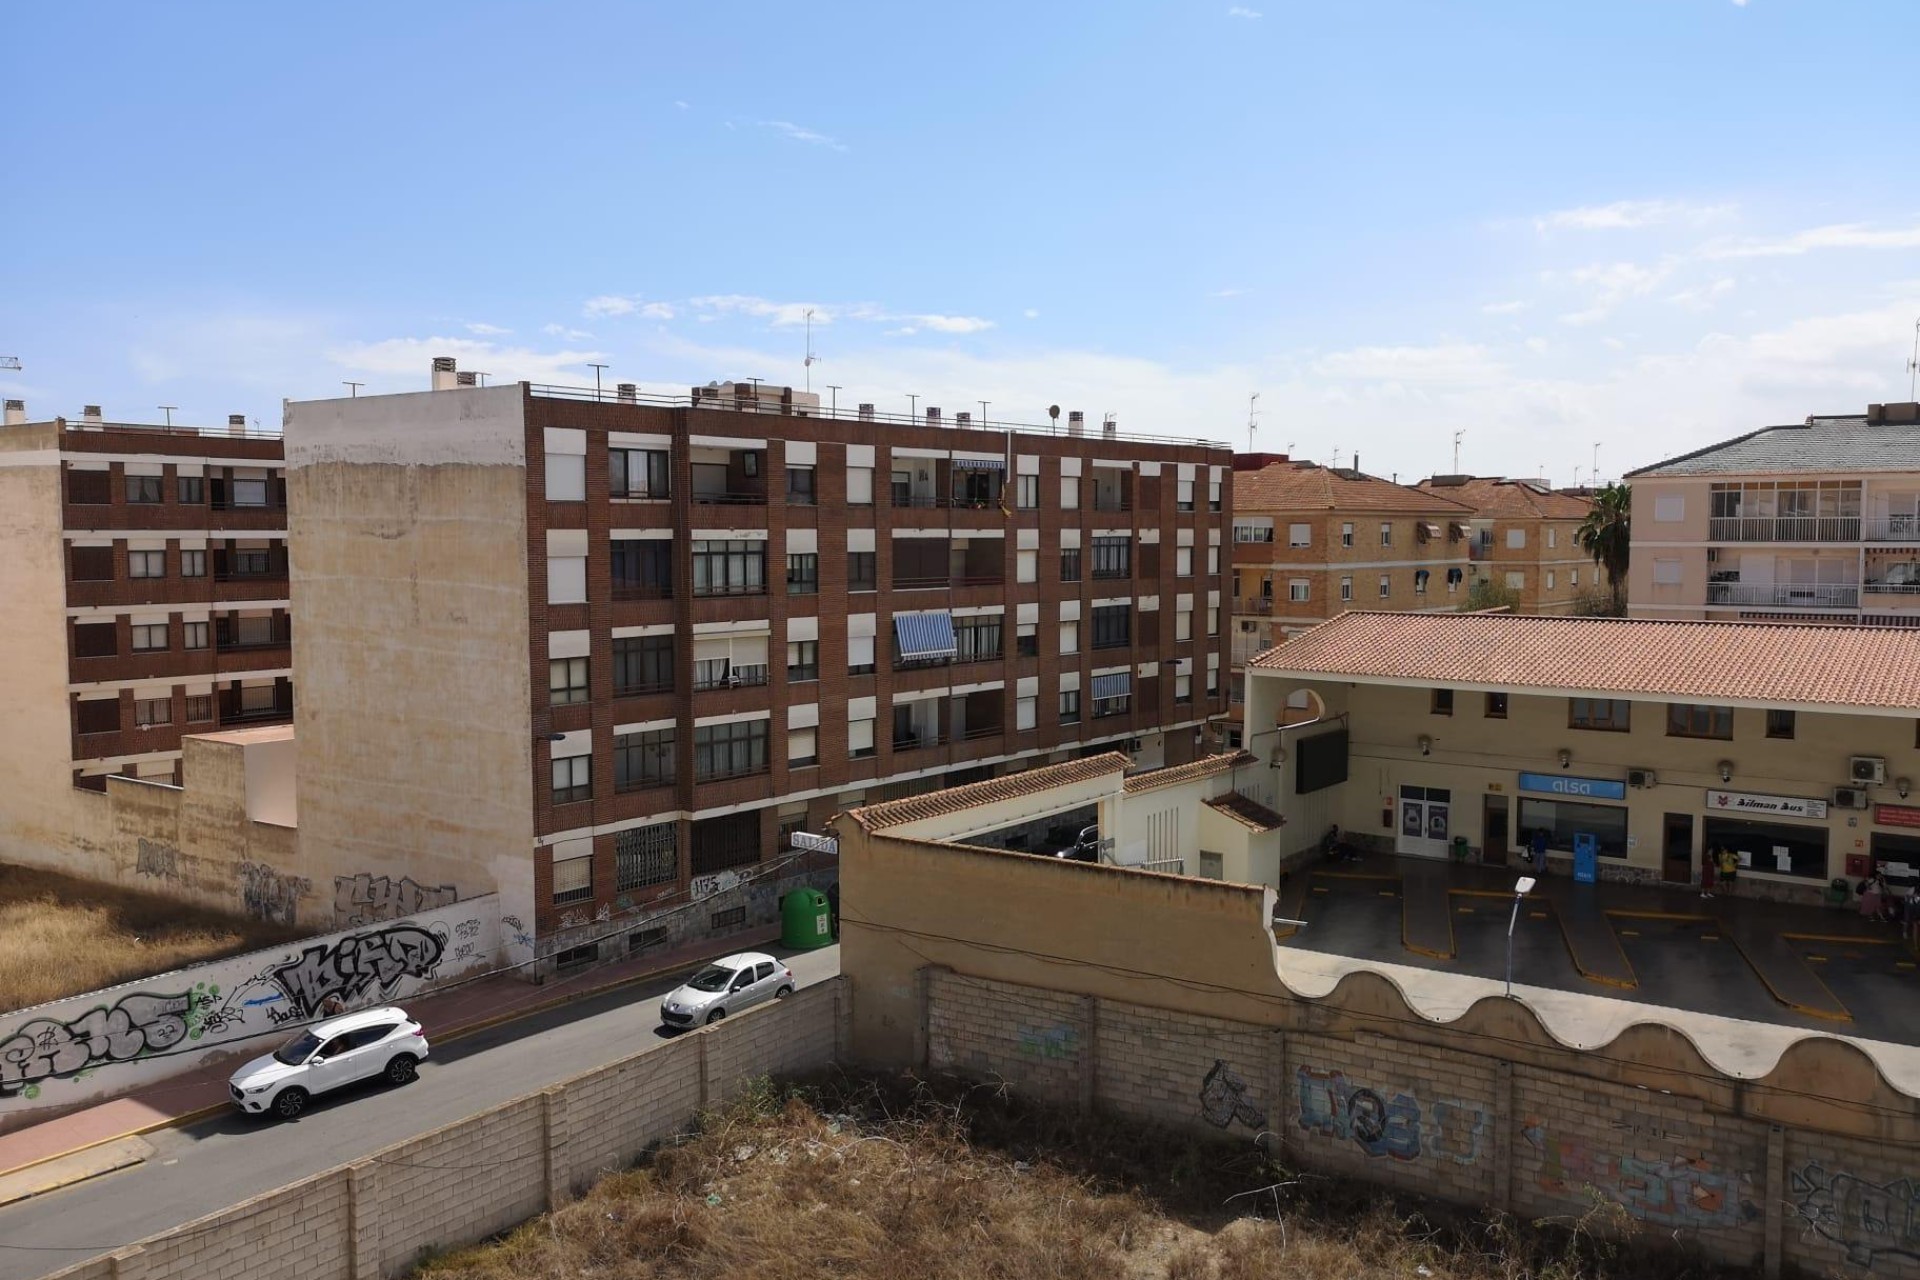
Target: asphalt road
207 1166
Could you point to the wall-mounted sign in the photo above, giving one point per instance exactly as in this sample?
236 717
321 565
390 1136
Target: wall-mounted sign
1785 806
1559 784
818 844
1896 815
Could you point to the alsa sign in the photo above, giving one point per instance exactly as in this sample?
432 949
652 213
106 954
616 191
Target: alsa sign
1783 806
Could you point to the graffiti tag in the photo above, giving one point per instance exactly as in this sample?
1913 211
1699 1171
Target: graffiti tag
367 898
138 1024
1049 1042
1678 1192
1864 1218
358 965
270 896
1224 1098
161 861
1334 1107
719 882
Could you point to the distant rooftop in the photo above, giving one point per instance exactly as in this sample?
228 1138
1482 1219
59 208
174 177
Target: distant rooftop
1500 498
1885 438
1307 486
14 414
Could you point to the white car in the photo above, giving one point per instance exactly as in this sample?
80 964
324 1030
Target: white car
339 1051
728 985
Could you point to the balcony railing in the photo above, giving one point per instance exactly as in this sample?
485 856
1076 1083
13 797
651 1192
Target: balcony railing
1477 550
643 591
730 499
745 677
1803 596
642 690
916 741
1905 528
1884 588
1784 528
1253 604
1104 502
973 734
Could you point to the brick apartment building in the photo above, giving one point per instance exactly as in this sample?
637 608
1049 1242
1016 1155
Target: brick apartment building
146 589
1523 538
588 649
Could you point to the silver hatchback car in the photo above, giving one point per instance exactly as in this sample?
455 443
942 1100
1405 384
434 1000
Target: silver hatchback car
728 985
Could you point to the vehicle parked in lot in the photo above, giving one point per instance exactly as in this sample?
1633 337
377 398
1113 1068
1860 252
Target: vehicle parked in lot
383 1043
728 985
1085 846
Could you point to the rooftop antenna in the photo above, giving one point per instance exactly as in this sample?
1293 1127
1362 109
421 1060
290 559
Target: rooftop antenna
1456 449
1253 413
9 362
983 411
913 404
596 378
168 410
1913 365
353 389
808 362
1596 463
835 388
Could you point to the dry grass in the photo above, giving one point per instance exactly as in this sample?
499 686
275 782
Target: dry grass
60 936
867 1180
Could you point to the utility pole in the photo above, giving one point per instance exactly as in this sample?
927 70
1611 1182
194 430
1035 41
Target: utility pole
1253 414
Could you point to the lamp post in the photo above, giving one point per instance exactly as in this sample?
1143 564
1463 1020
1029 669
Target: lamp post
1521 888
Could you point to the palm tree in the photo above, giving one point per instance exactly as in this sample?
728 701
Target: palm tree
1606 535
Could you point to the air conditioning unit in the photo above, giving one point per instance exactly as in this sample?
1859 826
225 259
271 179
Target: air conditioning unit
1851 798
1867 769
1642 778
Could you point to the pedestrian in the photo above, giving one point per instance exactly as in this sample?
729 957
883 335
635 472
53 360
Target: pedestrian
333 1006
1706 872
1539 848
1729 869
833 909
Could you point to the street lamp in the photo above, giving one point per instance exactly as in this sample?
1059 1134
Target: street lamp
1521 888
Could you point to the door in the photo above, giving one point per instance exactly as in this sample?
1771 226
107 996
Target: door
1426 816
331 1067
1493 832
1677 847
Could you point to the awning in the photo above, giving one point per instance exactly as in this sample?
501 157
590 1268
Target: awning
981 464
1421 575
1430 530
1117 685
925 635
1460 530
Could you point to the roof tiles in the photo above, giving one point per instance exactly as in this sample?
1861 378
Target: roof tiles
1498 499
935 804
1205 767
1305 486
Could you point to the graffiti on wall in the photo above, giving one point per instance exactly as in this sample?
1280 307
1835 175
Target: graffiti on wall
1225 1098
132 1027
269 895
152 858
368 899
702 887
1674 1192
1866 1219
1049 1042
357 966
1395 1127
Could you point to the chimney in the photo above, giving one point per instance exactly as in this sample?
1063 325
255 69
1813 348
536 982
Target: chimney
963 419
1076 422
16 412
464 378
444 378
236 424
1110 427
933 416
866 412
90 414
627 392
1356 462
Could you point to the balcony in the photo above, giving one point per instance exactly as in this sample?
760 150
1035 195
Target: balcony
713 498
1784 528
642 590
919 741
1899 528
1479 550
1261 605
1787 595
739 677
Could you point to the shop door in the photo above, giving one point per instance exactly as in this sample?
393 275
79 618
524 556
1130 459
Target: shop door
1493 836
1677 845
1425 821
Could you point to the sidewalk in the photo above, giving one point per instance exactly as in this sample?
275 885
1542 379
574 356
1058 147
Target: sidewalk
446 1016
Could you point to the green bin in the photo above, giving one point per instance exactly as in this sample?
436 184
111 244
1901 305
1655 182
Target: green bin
804 920
1460 848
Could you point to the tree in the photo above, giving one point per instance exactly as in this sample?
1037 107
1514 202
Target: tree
1607 534
1487 594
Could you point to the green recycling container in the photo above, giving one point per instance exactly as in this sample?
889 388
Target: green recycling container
804 921
1460 848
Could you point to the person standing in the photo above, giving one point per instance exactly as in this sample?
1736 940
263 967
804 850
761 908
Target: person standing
1707 869
1538 846
1729 869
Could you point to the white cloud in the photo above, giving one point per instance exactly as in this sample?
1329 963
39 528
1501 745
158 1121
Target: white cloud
1232 291
800 133
1031 314
1609 284
562 331
1845 235
1623 215
410 359
1241 11
613 304
487 330
1702 296
781 314
678 103
1539 346
1456 364
952 324
1510 308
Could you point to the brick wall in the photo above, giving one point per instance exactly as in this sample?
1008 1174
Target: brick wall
475 1178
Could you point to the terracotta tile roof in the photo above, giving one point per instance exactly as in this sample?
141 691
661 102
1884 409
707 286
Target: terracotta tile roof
1205 767
1306 486
1246 811
1761 662
894 813
1499 499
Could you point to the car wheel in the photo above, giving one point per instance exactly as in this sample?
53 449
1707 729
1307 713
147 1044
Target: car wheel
783 993
290 1103
715 1016
403 1069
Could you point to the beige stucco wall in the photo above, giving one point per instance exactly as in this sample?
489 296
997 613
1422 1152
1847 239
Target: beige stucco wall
1684 539
407 525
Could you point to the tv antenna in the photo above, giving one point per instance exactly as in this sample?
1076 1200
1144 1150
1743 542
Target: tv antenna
597 369
168 410
1913 365
1253 414
353 389
835 388
1456 449
808 362
10 362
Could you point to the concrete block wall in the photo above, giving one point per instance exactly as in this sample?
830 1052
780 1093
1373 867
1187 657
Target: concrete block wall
1182 1069
457 1185
990 1030
1852 1207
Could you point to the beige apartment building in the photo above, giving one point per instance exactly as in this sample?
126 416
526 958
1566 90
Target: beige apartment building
1524 538
1812 520
1312 542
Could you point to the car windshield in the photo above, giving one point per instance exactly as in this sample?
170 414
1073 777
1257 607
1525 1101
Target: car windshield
711 978
297 1050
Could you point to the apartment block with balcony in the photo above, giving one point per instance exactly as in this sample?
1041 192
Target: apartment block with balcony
1313 542
147 596
1813 520
612 647
1523 537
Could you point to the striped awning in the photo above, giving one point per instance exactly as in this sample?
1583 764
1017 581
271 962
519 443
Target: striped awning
925 635
1117 685
981 464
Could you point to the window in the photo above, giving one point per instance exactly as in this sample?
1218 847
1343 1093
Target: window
1253 533
95 640
573 882
90 488
803 748
638 473
1299 535
148 712
976 639
1069 493
193 564
193 491
143 489
1213 562
803 574
643 759
566 681
1183 495
1669 507
92 564
1454 577
1069 564
1026 490
1441 702
148 637
860 655
1069 706
730 567
256 699
862 571
1612 715
248 493
1346 533
572 779
1183 624
642 568
1386 585
1573 577
255 562
1026 566
1693 720
1420 577
247 632
1024 711
1549 579
1183 562
1182 689
1112 626
642 664
1517 581
199 708
1117 705
1563 820
731 750
645 856
1516 539
1346 588
146 564
1213 620
1386 534
1213 495
1112 557
1297 589
1553 537
566 579
566 478
1667 573
1027 640
1069 637
1496 706
803 660
1779 724
860 738
97 715
800 491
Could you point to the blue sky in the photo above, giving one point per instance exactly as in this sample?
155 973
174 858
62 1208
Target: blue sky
1649 224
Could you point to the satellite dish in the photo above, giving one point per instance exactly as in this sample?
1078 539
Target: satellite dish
1053 411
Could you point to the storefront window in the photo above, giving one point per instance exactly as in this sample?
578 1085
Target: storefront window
1892 853
1772 848
1563 819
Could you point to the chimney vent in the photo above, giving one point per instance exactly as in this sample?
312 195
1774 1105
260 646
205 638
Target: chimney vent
866 412
90 413
465 378
444 377
16 412
236 424
1110 427
628 392
962 419
933 416
1076 422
